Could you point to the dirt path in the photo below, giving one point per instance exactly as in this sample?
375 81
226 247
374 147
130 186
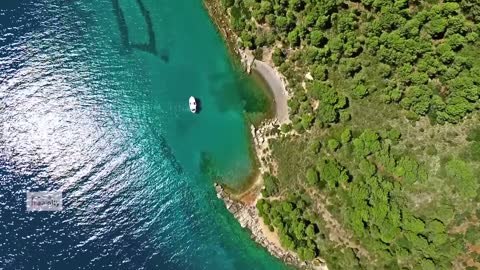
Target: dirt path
336 231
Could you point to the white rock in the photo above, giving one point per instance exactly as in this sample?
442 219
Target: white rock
308 76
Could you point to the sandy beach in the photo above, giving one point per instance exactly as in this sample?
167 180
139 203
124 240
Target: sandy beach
276 85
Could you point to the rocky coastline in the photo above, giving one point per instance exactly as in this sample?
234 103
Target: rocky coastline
243 206
248 218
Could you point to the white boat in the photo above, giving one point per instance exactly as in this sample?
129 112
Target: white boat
193 104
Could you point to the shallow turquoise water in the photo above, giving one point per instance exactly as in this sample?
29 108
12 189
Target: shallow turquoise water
93 102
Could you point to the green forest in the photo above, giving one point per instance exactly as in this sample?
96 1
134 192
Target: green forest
384 139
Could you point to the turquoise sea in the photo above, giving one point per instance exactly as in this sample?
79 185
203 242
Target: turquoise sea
94 103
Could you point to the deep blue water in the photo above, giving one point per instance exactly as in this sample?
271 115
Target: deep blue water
93 103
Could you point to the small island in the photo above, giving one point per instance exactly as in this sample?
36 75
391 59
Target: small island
373 159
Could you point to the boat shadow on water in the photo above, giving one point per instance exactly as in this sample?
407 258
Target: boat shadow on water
199 105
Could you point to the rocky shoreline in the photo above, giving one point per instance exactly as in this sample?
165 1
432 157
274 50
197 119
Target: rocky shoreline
248 217
243 206
220 19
